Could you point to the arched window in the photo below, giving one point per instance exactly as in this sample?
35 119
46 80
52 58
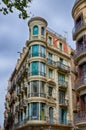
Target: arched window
42 30
35 30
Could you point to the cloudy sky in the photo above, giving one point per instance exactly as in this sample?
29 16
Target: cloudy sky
14 32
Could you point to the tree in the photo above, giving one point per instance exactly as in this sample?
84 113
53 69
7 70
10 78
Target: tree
21 5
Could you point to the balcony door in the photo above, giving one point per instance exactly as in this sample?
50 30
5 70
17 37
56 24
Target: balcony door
63 116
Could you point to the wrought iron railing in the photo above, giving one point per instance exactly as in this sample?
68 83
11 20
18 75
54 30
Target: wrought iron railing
40 54
80 117
80 51
62 83
37 73
78 26
51 62
63 66
34 94
81 82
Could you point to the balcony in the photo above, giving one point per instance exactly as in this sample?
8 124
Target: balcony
40 54
63 103
62 67
80 117
37 73
51 62
62 84
30 118
22 74
81 84
80 52
37 95
78 27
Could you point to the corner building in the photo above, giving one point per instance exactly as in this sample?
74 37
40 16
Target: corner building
40 87
79 35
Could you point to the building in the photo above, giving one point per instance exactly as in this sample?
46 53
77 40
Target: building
39 93
79 35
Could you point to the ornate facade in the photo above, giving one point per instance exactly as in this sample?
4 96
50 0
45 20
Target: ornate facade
39 92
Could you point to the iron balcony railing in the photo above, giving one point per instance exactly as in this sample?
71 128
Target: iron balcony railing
62 83
51 62
22 72
63 102
80 117
63 66
40 54
29 118
80 51
81 82
37 73
78 26
34 94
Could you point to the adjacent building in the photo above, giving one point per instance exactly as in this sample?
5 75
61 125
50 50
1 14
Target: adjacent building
79 35
41 87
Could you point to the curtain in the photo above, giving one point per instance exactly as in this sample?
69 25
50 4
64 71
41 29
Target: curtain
42 68
42 51
35 50
42 111
35 68
35 88
34 110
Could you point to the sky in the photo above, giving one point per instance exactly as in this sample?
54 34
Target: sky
14 32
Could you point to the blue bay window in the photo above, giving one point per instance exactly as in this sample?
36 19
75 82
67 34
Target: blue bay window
37 50
37 68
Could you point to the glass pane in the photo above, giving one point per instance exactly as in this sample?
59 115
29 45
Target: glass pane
51 114
42 111
42 69
35 50
35 30
35 68
35 111
42 31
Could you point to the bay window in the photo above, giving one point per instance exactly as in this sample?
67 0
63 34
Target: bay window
37 68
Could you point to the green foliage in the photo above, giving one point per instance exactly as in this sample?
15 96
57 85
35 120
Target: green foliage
20 5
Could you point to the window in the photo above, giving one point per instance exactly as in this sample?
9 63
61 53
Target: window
42 111
42 69
34 67
42 89
50 90
35 30
34 88
34 111
35 50
42 51
61 97
51 114
49 40
63 116
60 46
61 79
42 30
50 73
37 68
